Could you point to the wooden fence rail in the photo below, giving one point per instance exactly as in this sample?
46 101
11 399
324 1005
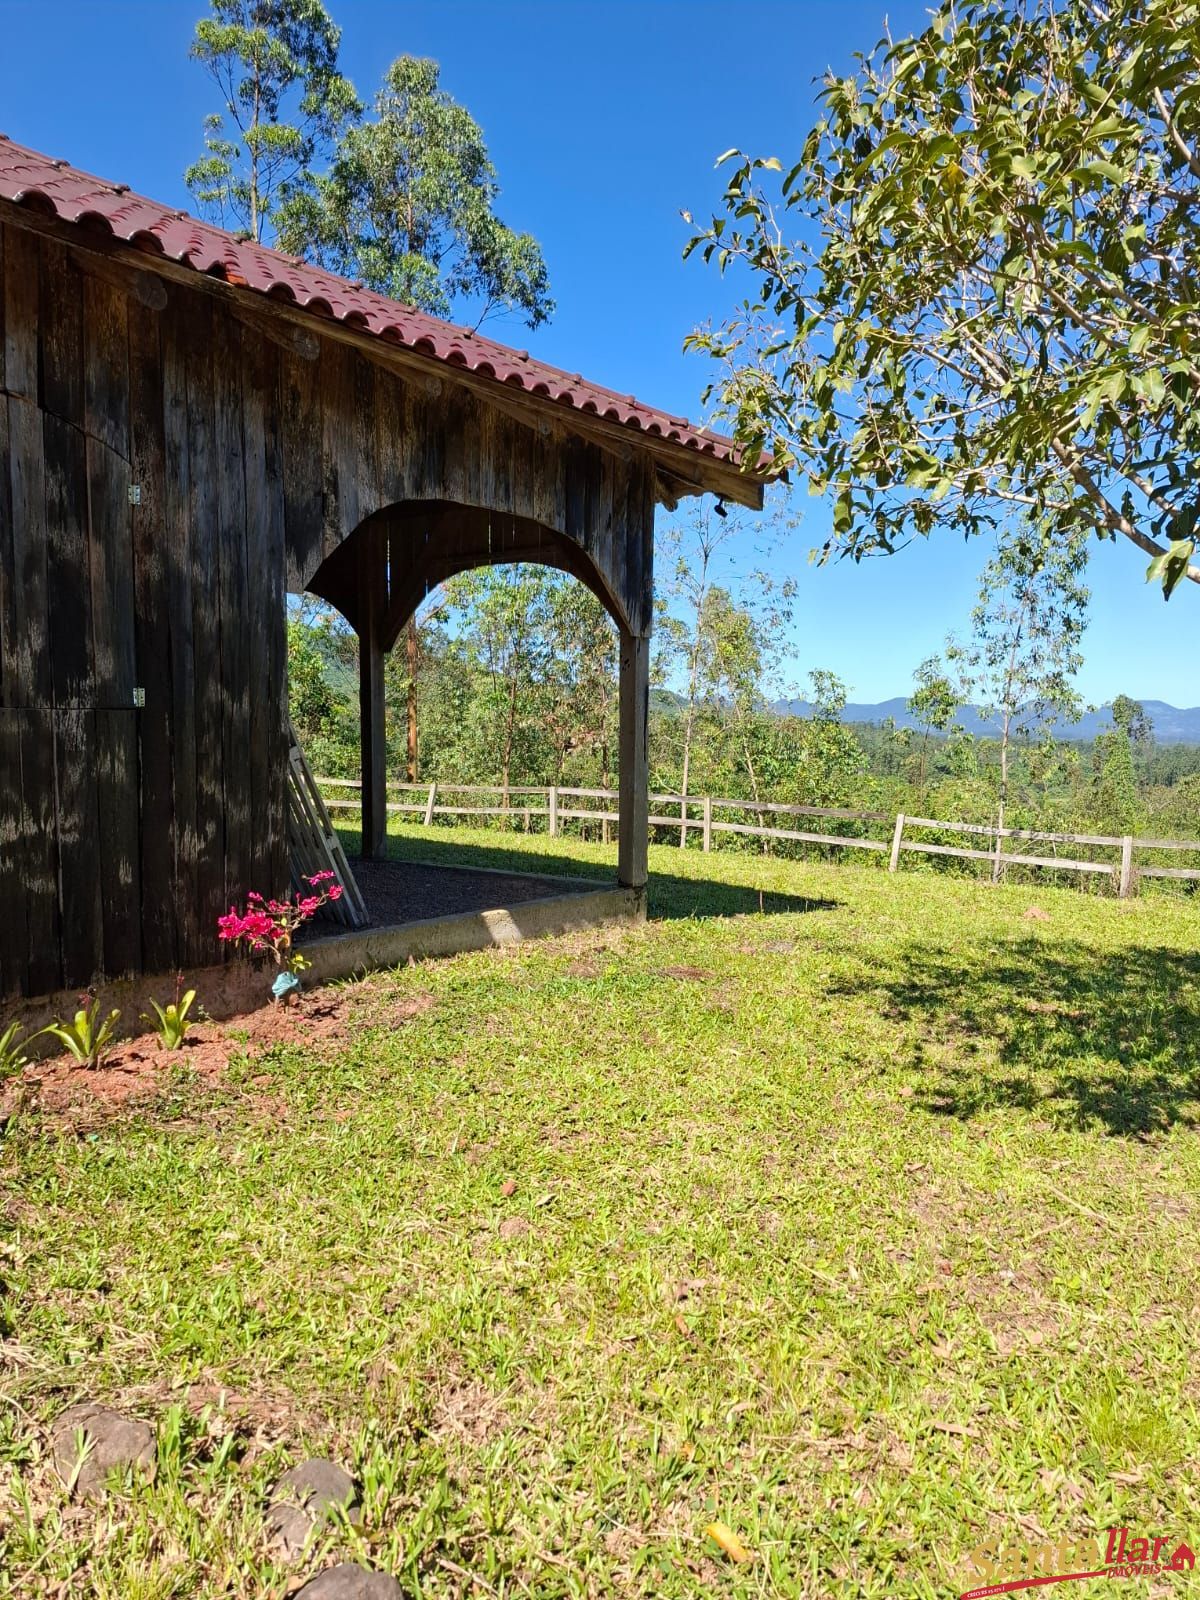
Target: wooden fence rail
525 802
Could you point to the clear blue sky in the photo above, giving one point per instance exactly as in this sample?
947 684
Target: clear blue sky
604 118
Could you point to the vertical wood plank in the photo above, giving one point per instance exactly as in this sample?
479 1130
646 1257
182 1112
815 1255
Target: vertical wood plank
235 644
390 442
255 401
178 552
204 471
119 866
75 791
61 329
20 293
68 564
39 868
367 498
14 962
339 447
112 581
153 554
8 572
274 578
266 609
27 483
300 443
106 364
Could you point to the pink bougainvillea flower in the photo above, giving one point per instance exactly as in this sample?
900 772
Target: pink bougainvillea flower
268 926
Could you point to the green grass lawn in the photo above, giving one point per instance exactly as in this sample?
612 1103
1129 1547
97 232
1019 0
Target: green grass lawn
861 1213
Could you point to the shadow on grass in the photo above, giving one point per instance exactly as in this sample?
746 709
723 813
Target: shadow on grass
669 896
1084 1037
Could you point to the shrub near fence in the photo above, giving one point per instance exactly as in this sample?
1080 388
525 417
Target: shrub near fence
1123 861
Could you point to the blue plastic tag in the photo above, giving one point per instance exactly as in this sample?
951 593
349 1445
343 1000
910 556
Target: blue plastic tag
286 983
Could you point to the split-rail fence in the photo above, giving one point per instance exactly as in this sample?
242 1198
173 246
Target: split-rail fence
710 816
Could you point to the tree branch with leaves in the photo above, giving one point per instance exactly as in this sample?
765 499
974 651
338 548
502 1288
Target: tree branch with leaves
976 289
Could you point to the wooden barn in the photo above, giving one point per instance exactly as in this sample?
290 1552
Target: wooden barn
191 427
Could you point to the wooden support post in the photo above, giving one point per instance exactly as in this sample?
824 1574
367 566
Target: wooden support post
554 811
429 805
897 837
634 781
1126 880
372 596
412 651
707 823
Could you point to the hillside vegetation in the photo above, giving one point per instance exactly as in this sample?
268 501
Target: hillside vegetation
861 1213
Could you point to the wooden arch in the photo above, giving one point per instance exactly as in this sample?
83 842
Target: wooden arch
378 575
401 554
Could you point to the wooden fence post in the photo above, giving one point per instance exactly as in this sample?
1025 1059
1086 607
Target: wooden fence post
707 823
429 805
1126 881
554 811
897 836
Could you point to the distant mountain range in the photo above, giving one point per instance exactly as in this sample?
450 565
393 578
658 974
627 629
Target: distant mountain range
1171 725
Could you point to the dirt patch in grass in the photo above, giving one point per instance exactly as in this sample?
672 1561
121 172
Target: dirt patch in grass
467 1412
138 1069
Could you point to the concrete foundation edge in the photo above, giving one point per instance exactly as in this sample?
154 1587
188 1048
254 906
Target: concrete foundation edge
344 955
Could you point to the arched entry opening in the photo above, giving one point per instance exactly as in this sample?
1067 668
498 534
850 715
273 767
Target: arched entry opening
378 576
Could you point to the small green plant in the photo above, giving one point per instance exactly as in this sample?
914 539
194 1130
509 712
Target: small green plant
173 1021
12 1051
89 1037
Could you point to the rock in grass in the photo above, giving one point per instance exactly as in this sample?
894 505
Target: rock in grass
302 1500
89 1441
350 1582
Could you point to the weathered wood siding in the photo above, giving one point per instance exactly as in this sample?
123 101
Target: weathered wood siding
171 464
125 830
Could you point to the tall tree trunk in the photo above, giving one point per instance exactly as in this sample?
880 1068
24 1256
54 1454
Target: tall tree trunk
412 653
1004 732
689 722
765 844
508 738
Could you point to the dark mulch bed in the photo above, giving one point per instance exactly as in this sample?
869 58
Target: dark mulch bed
406 891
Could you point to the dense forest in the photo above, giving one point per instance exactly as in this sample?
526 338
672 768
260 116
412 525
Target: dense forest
508 677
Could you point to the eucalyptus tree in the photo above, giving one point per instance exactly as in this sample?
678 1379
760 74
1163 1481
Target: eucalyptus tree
1021 658
284 103
932 705
689 551
974 291
409 206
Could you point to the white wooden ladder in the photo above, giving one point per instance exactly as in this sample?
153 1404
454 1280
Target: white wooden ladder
313 841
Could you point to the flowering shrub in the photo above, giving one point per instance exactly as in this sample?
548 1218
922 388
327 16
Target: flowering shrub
267 927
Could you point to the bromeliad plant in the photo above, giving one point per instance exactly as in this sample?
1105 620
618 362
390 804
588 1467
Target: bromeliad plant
12 1051
89 1037
268 927
173 1021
